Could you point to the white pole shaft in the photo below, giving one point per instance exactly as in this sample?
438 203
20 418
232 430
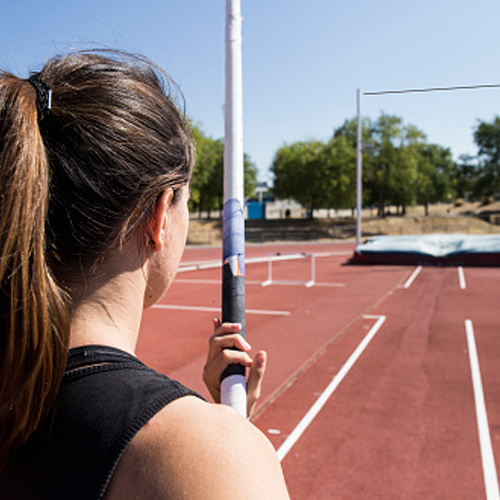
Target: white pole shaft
233 387
233 152
359 168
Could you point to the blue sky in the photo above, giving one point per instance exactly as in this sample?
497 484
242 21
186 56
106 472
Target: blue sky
302 59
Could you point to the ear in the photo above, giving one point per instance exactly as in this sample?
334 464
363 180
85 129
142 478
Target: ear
159 220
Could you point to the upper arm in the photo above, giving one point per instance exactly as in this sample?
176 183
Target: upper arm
194 450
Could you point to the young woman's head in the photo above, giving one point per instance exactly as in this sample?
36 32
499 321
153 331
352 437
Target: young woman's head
114 141
76 181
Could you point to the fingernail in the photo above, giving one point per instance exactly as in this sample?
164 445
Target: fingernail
246 344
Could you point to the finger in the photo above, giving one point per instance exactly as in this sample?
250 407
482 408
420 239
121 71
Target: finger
255 379
231 357
230 341
213 369
216 322
226 328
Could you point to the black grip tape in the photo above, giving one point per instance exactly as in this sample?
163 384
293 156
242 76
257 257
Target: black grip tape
233 309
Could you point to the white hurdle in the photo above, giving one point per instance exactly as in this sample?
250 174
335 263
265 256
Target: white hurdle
274 257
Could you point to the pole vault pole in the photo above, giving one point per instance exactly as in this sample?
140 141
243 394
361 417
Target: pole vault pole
233 383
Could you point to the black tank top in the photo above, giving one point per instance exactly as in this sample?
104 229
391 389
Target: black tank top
107 395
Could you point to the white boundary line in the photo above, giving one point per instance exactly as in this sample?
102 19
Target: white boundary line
323 398
412 278
488 459
173 307
461 277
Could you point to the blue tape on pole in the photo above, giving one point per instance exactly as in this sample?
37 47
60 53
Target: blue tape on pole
234 236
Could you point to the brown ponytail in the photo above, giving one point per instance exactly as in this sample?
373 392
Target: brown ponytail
34 324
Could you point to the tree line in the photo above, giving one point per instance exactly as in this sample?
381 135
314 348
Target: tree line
400 168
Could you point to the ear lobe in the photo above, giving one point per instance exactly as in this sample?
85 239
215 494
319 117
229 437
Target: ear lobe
159 220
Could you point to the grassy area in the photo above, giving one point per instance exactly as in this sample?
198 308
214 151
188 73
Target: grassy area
469 218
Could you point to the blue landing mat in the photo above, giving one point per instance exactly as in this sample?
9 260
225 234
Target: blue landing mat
442 249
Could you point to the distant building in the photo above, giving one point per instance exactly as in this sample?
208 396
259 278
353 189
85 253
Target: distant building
265 206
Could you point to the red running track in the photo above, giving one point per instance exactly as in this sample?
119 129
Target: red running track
402 421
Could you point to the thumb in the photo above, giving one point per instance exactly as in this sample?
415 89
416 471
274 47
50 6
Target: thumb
255 379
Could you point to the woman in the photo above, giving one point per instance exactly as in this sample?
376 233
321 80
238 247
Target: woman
95 168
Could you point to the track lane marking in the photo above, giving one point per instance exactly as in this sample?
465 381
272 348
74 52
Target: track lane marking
332 386
488 458
412 278
461 277
174 307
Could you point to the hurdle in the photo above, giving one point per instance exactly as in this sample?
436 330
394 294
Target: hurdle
275 257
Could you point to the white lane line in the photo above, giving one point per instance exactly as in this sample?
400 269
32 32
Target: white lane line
488 459
263 312
332 386
461 277
332 285
411 279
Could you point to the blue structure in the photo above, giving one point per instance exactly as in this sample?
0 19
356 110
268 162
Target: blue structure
256 210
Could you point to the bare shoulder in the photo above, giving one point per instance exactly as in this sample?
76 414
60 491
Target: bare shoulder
195 450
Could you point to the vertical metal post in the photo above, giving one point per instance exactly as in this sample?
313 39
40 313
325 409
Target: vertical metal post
359 168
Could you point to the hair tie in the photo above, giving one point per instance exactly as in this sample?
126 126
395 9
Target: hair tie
43 95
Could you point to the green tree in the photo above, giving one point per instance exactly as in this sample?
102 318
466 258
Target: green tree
207 183
404 175
348 130
390 162
299 173
436 175
465 176
487 139
386 136
315 174
250 176
339 159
